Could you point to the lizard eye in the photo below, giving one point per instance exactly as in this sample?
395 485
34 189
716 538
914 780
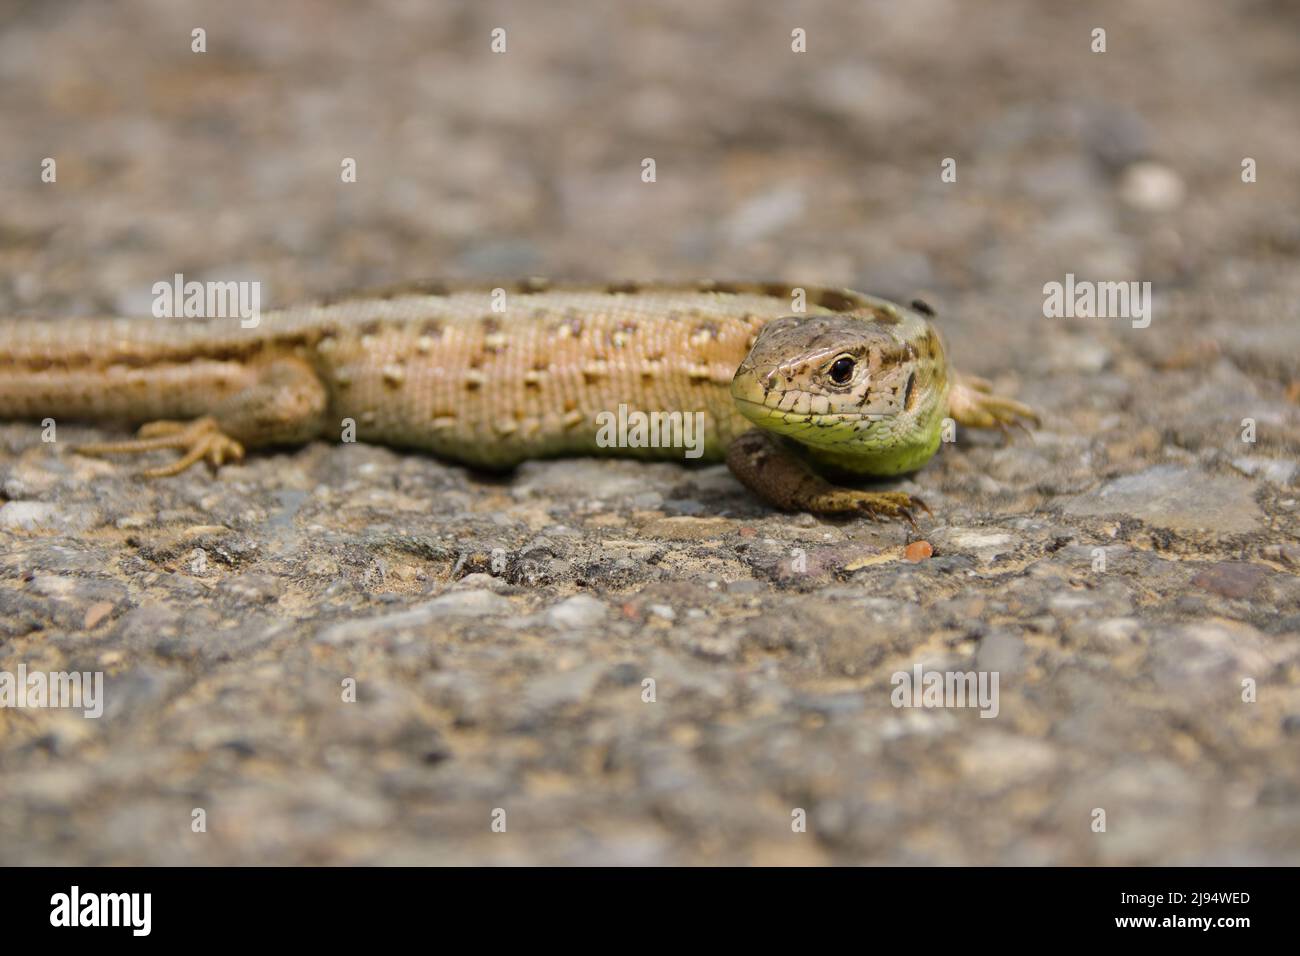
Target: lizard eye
842 370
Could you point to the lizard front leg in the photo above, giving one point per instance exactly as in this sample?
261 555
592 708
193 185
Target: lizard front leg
785 481
283 402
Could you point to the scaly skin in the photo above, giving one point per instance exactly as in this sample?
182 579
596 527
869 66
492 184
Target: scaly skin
438 368
884 418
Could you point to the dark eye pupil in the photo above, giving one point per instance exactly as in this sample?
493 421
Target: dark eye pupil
842 370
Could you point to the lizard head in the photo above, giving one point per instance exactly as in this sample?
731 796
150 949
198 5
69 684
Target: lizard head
864 394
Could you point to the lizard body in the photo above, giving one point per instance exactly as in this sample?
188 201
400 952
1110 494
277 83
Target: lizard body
492 376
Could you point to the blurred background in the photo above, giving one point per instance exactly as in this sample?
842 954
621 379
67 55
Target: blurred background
821 167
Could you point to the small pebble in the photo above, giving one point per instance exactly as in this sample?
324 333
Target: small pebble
1152 187
96 613
581 610
918 551
1232 579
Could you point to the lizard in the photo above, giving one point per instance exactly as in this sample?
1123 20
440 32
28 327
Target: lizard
804 392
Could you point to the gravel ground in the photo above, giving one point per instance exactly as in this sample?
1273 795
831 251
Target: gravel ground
1123 572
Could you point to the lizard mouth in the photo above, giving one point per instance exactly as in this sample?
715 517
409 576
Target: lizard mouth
830 429
760 413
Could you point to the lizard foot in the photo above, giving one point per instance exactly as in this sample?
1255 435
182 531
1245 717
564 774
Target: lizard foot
971 403
873 504
199 440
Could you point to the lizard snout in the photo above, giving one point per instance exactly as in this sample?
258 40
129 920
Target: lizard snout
745 384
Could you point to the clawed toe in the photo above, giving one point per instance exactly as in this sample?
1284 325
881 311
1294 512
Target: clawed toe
892 505
971 403
199 440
